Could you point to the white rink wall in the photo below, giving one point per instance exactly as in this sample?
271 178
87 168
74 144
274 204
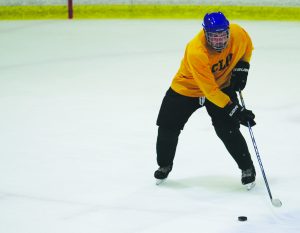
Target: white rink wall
159 2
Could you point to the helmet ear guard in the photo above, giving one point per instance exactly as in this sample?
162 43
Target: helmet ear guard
216 28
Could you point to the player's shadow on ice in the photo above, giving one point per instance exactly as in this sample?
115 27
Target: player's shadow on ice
207 182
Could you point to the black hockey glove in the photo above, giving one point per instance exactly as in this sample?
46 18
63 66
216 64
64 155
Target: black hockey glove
240 114
239 75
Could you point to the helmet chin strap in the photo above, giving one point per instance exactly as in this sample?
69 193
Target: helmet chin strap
219 50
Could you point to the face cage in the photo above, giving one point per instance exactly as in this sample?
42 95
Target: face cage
218 40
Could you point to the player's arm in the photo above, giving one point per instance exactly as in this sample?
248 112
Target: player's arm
239 73
205 79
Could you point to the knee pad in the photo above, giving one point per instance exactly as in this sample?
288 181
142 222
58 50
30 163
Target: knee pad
226 133
168 134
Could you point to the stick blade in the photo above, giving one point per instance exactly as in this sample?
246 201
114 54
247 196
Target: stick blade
276 202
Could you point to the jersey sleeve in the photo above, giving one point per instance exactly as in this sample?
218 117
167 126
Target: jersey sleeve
200 68
248 53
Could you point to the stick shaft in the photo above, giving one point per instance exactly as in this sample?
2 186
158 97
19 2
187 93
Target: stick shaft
256 150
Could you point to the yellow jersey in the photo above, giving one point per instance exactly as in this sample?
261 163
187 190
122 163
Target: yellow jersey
205 72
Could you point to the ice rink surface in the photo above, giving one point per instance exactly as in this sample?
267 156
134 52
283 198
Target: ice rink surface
78 105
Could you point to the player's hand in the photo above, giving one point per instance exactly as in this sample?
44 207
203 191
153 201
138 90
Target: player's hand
239 75
240 114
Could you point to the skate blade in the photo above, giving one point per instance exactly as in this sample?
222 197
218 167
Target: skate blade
250 186
160 181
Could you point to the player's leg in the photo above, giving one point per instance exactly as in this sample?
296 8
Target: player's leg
173 115
229 132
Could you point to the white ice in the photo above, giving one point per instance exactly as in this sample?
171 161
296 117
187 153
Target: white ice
78 105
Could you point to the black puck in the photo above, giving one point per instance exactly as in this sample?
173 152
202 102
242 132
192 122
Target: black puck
242 218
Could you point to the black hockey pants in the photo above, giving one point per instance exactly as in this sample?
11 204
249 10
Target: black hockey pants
175 112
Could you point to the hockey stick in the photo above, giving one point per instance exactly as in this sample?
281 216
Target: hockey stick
275 202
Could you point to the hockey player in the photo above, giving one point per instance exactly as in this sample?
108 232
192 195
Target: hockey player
215 65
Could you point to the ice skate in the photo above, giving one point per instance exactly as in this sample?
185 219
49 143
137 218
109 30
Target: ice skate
162 173
248 178
250 186
160 181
